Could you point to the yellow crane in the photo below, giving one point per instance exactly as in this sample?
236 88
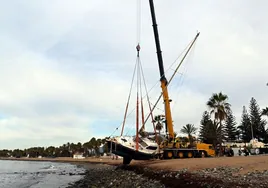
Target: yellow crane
170 147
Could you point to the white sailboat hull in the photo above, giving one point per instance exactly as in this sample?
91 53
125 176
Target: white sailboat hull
126 147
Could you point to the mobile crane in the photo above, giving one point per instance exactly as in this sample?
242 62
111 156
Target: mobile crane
141 148
170 147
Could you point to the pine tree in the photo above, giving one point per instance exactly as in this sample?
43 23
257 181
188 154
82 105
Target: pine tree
245 126
230 127
204 127
258 125
209 130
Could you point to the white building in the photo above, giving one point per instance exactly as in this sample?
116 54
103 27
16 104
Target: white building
78 155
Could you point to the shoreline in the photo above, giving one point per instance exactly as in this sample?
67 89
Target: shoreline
197 172
60 159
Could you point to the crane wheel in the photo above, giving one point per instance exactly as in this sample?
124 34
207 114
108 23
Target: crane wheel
180 155
169 154
189 154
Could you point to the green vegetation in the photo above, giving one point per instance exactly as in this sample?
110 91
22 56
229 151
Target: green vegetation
245 126
209 130
230 127
219 106
159 123
265 112
219 124
66 150
189 129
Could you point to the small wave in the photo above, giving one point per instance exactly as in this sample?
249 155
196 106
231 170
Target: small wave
48 168
11 173
29 184
37 175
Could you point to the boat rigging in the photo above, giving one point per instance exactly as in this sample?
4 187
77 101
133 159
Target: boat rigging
141 147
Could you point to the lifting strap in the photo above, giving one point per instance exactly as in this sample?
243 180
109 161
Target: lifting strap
140 72
124 121
137 106
149 103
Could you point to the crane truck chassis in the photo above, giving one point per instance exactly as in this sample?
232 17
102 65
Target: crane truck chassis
201 150
184 153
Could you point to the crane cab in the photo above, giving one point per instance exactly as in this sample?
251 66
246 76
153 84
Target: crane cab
208 148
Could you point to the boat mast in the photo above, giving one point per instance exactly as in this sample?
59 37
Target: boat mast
163 80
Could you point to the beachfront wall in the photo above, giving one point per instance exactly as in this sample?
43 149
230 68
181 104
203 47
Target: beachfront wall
78 156
235 151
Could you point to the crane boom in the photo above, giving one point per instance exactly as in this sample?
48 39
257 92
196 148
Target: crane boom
163 80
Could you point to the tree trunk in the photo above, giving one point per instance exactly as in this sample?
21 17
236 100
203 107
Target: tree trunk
190 139
221 138
159 142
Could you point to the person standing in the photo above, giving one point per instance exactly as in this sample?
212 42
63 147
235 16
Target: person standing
217 150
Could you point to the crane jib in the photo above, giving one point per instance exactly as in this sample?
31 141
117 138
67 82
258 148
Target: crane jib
168 116
157 43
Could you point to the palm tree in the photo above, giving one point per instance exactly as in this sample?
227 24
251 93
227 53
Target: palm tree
159 122
219 107
183 140
68 146
159 125
265 112
189 129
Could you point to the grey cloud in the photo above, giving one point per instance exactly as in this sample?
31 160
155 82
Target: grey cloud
69 64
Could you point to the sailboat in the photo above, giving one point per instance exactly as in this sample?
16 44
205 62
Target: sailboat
144 145
139 147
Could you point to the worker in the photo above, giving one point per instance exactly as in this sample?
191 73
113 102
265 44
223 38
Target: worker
217 150
239 151
246 151
175 142
231 151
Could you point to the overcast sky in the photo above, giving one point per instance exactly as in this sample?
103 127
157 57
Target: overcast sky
66 66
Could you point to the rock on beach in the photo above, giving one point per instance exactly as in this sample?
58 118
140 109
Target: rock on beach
138 176
109 176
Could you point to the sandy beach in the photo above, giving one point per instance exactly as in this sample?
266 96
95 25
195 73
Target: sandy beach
251 171
249 164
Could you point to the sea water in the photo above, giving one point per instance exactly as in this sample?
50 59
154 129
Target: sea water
31 174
